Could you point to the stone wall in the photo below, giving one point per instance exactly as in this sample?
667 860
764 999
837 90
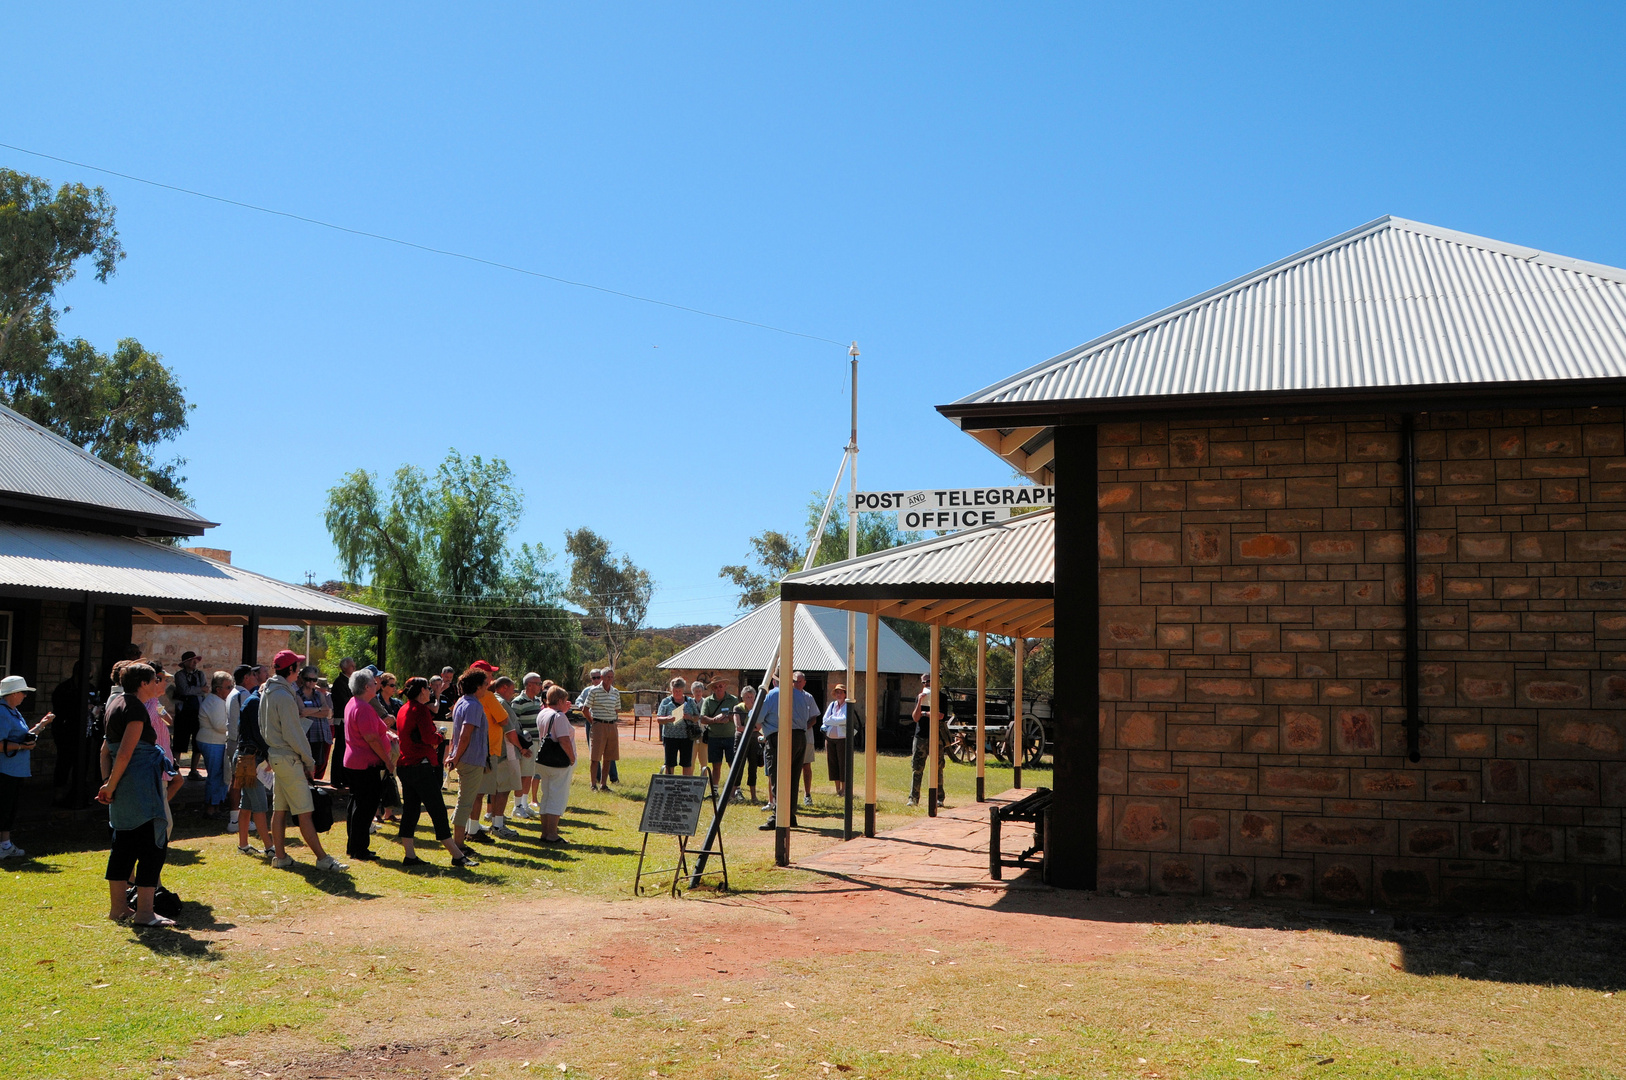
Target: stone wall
1252 636
220 646
58 650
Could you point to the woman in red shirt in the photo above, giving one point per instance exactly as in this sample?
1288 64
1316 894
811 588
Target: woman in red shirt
419 771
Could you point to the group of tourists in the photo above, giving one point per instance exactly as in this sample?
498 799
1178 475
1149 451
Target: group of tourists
274 743
381 745
690 716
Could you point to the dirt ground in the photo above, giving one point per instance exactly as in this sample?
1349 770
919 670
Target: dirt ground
563 950
596 949
788 982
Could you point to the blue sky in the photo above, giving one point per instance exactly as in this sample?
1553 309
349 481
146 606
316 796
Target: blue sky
964 190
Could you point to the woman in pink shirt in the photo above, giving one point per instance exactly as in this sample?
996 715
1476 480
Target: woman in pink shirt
369 750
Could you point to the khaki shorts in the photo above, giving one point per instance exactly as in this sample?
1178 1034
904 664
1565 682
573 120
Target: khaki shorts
290 790
504 775
470 778
606 741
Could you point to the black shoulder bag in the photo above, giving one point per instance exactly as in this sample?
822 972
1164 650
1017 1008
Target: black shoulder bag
552 753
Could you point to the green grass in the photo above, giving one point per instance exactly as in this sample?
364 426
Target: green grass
297 973
81 995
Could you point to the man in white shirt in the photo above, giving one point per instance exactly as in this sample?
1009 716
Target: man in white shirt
601 704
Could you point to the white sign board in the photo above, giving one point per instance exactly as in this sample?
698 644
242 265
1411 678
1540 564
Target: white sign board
947 509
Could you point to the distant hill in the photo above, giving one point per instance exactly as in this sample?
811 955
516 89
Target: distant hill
684 635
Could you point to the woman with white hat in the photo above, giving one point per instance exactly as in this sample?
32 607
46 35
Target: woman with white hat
16 760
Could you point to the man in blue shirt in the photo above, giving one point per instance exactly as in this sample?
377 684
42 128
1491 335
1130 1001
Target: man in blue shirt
802 709
16 756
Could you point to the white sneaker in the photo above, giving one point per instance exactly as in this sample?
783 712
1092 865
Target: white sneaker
503 832
739 796
807 800
8 850
912 802
231 822
373 828
328 862
283 863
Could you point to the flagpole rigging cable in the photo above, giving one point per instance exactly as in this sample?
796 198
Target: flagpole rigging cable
782 664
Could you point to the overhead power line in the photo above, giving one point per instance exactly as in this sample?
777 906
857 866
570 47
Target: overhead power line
420 247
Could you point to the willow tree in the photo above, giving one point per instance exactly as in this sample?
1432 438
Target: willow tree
433 550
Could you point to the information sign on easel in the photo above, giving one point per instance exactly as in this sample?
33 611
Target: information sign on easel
672 808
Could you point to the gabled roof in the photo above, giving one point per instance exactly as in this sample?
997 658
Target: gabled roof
1395 312
42 472
999 578
147 574
821 644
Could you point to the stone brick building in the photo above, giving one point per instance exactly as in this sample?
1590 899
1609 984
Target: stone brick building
1252 646
1338 564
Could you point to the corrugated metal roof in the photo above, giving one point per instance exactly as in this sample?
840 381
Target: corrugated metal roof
1394 303
1017 553
150 574
39 464
821 644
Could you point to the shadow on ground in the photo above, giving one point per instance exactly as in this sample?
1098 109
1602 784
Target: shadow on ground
1581 951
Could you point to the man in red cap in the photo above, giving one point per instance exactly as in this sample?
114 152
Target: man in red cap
486 666
288 751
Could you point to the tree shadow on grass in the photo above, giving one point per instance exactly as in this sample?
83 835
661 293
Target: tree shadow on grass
28 865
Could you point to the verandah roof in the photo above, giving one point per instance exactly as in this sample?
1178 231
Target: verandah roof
162 583
999 578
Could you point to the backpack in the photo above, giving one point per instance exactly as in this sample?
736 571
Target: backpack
164 902
321 809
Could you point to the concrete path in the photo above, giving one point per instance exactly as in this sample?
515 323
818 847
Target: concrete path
950 849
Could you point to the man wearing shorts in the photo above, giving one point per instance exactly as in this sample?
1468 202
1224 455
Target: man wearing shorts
717 712
509 761
527 706
288 752
602 706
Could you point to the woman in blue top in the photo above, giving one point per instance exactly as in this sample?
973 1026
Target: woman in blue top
16 758
680 727
138 806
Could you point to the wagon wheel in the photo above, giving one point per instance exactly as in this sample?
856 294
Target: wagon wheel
1032 744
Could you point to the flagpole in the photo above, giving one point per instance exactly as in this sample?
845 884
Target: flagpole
852 616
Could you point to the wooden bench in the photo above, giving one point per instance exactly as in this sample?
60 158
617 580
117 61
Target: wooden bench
1034 809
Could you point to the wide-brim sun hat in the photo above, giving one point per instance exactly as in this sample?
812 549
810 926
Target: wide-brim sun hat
14 684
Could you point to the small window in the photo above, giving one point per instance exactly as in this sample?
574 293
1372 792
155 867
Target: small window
5 644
